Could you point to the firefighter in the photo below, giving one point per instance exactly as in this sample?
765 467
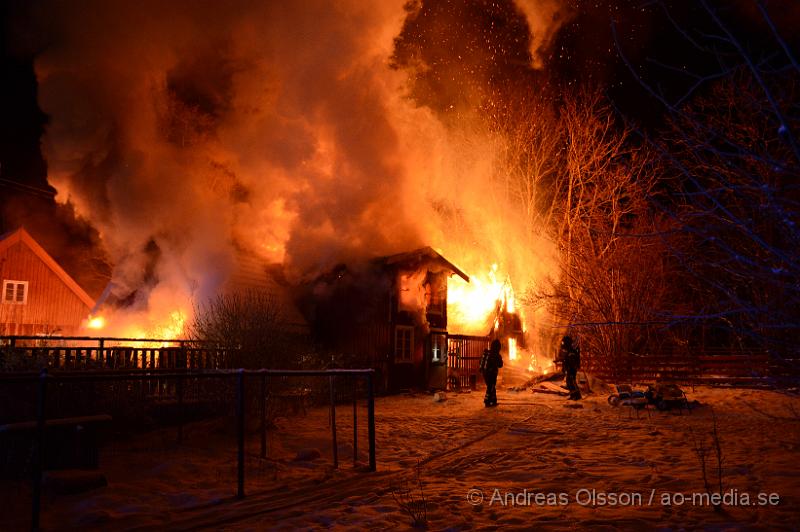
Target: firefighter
571 356
491 362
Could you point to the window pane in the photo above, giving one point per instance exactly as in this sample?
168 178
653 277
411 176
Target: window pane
9 292
403 343
20 292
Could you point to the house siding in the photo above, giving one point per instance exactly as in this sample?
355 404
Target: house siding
51 307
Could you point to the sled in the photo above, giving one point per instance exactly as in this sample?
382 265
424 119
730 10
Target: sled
667 396
633 399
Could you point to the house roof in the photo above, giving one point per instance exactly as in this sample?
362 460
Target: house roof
420 255
21 235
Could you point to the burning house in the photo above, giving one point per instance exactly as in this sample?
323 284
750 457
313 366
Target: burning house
38 296
121 312
391 313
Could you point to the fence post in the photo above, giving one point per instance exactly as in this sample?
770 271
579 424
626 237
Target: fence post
179 390
263 415
332 387
240 432
355 421
38 461
371 419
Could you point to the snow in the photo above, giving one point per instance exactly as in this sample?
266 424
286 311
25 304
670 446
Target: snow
529 449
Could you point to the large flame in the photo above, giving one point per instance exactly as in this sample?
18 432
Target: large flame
471 306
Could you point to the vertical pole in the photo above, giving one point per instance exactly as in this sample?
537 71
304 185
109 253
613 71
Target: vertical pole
355 421
179 390
371 419
38 461
263 415
333 422
240 431
100 349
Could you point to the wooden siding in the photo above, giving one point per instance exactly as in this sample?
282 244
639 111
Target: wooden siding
52 307
253 274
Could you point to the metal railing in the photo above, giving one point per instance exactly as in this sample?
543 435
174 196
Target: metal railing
45 379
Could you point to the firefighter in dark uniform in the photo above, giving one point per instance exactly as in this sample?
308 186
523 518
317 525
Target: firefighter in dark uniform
571 356
491 362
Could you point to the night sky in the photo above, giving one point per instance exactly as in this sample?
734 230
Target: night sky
482 46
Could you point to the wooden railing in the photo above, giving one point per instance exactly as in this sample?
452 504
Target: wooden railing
88 353
463 358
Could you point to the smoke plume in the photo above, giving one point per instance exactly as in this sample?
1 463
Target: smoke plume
188 132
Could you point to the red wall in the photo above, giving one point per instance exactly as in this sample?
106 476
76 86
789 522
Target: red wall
51 307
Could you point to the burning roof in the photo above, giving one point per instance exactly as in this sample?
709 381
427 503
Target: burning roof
417 258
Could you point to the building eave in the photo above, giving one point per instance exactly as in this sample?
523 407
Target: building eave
426 252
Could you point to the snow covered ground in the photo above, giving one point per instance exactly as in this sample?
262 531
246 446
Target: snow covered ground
535 460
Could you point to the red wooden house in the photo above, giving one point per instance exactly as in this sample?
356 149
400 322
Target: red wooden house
38 296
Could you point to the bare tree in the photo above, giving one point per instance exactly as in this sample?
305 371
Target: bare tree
251 324
732 146
581 180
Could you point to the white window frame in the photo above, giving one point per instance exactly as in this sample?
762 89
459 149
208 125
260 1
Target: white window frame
403 350
17 285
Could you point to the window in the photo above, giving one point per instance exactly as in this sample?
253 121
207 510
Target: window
435 293
438 347
403 343
15 292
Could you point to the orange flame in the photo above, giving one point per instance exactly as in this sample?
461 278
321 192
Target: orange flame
512 349
95 323
472 306
153 325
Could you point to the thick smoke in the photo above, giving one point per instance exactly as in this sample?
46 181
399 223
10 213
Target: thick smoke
188 132
184 131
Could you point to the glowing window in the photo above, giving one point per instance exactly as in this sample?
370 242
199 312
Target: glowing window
438 347
435 293
15 292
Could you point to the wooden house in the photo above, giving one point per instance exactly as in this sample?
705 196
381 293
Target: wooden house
390 314
38 296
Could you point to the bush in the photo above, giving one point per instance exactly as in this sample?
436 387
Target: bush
252 324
